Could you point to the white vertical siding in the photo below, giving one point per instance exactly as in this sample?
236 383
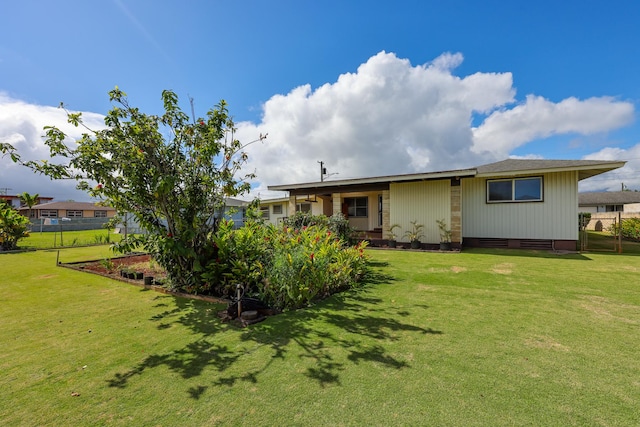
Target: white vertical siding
424 202
554 218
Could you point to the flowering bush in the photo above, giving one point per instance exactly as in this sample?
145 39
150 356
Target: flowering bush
309 264
286 267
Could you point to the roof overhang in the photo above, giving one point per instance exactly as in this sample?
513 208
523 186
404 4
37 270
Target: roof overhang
505 168
367 184
521 167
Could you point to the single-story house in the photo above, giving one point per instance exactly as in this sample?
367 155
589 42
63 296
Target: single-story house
275 210
69 210
609 207
514 203
609 201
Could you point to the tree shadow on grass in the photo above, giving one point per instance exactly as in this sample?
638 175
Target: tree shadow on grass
345 329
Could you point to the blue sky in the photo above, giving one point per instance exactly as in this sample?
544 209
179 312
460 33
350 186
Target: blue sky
369 87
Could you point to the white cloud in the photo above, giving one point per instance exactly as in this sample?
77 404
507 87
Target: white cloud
390 117
629 175
387 117
21 125
536 118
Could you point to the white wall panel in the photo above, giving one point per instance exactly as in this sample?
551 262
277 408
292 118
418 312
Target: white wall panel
554 218
425 202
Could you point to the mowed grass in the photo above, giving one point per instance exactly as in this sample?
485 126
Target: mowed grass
51 239
478 338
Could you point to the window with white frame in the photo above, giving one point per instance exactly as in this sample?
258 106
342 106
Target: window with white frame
264 210
514 190
277 209
49 213
74 214
100 214
357 207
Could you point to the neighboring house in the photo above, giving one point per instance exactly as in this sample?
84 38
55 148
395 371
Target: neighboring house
69 210
514 203
276 210
16 202
609 201
235 209
609 207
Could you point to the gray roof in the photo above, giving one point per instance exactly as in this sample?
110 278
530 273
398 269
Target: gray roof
236 203
509 167
597 198
74 206
585 168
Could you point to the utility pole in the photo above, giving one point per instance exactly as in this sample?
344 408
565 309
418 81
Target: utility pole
323 171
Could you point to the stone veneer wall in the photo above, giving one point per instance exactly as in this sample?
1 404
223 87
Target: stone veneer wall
386 213
456 214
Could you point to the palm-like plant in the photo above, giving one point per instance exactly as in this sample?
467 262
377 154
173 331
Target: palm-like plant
30 200
415 234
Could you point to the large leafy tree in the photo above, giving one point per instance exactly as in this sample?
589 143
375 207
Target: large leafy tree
172 173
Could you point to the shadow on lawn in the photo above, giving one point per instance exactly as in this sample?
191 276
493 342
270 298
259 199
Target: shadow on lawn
348 328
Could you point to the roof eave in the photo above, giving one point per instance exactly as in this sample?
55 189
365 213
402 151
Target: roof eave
376 180
584 171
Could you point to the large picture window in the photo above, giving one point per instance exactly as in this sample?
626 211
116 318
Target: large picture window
357 207
514 190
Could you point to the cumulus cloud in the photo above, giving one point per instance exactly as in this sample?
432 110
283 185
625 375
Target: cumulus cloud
536 118
387 117
21 125
390 117
629 175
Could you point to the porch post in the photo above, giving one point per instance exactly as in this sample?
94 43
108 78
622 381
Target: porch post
292 206
337 203
386 214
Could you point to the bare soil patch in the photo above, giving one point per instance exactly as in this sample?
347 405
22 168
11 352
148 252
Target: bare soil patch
135 263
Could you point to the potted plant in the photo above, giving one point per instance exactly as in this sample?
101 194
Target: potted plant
391 242
445 235
415 234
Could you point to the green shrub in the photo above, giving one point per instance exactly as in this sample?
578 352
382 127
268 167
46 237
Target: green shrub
583 220
13 227
284 266
240 257
337 224
630 228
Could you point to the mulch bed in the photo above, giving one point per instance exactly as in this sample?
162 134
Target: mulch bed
139 263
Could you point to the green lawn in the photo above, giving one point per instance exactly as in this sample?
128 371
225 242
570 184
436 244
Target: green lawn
479 338
48 240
